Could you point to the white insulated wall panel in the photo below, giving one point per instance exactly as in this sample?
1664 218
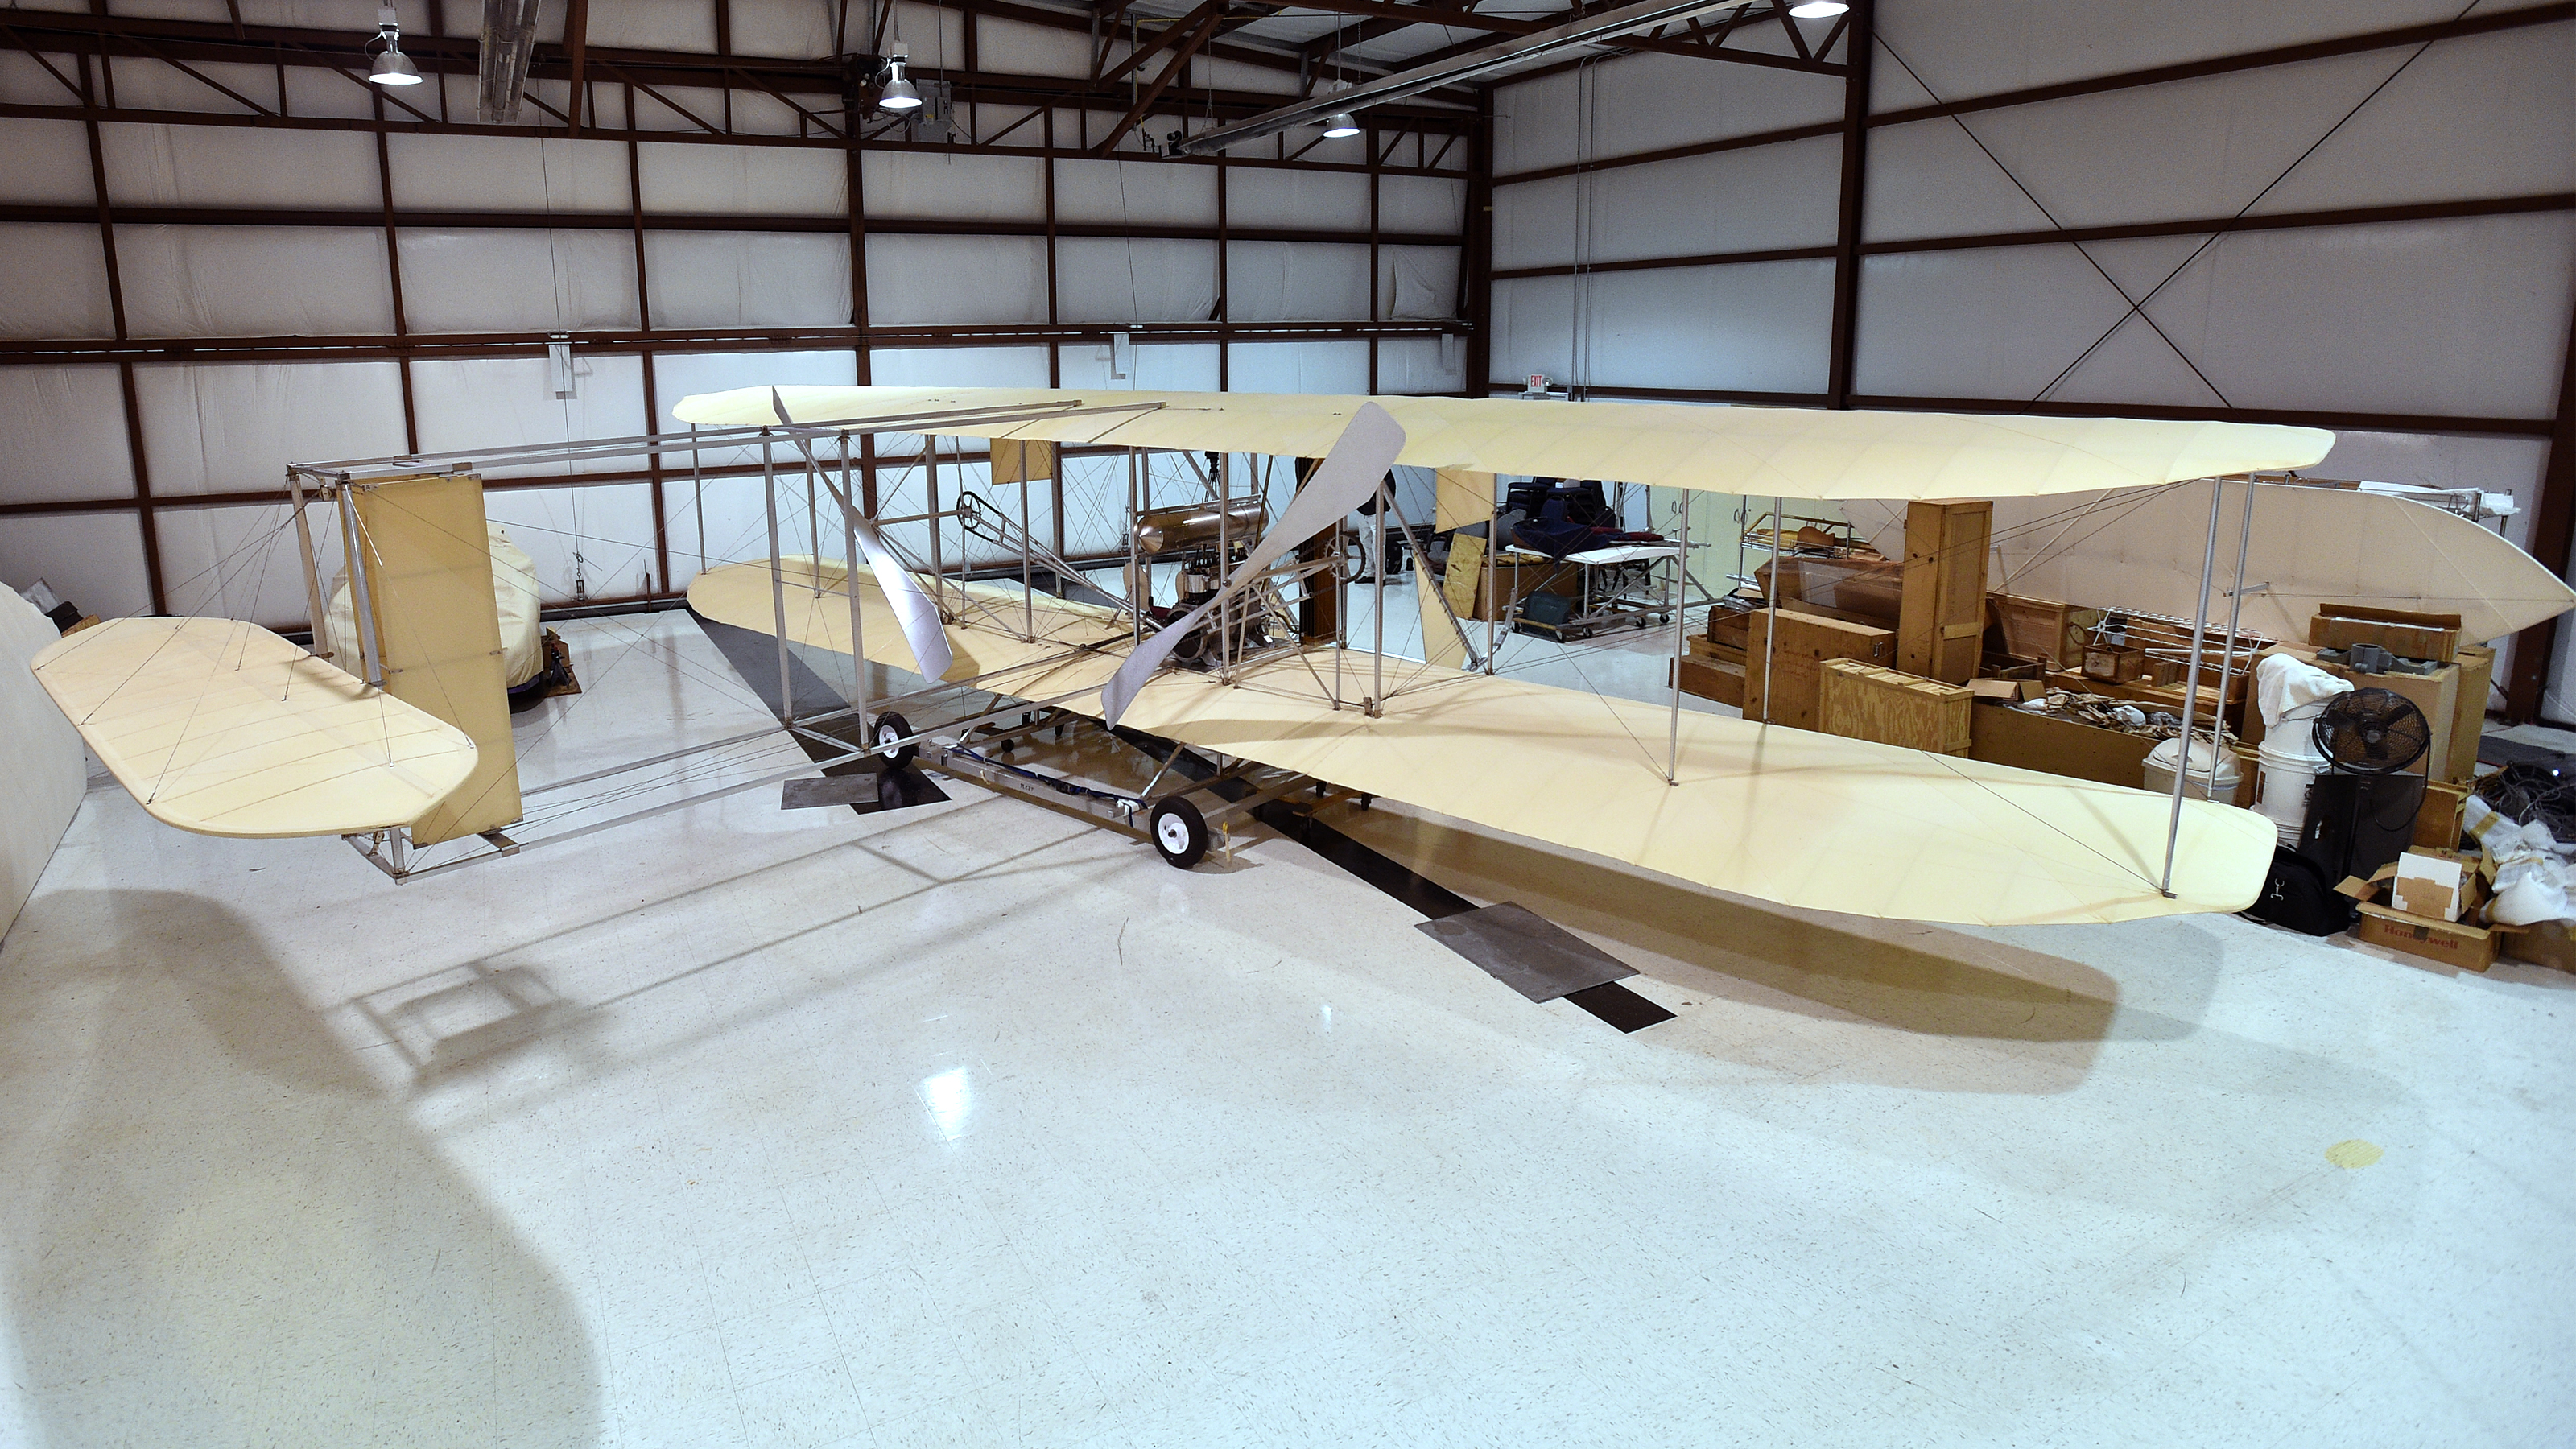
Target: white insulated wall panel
1421 365
1646 103
942 280
507 173
24 83
1758 327
1953 43
1008 47
1762 199
518 280
748 279
233 427
2208 147
94 560
2465 317
1103 280
48 161
1165 367
1218 73
795 28
1998 322
254 281
1321 366
145 84
72 300
677 375
1417 283
1311 200
502 402
1421 204
314 91
953 185
66 435
1135 193
690 179
156 165
1297 282
242 562
677 27
590 542
958 366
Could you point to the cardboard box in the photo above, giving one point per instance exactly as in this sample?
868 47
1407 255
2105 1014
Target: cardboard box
2113 663
2437 824
2403 633
2433 883
2007 691
2469 711
2550 943
2450 943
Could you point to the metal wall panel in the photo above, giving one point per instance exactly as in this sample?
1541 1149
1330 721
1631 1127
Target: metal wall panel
72 299
48 159
734 180
1133 193
1099 279
963 185
157 165
497 402
94 560
1645 102
1296 282
508 173
945 279
66 434
749 279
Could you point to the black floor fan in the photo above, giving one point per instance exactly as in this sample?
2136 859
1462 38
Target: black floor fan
2362 805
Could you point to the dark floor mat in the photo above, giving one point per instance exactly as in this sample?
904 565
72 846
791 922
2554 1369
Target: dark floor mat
1526 951
754 656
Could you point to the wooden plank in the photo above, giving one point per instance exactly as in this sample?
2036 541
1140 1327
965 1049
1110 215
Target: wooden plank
1865 702
1805 640
2406 641
1711 679
2469 710
1941 628
2044 629
1021 460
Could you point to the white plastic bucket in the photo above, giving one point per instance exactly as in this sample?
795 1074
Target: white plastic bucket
2160 767
2284 764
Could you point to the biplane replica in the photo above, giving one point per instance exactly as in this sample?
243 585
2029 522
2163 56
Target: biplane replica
399 739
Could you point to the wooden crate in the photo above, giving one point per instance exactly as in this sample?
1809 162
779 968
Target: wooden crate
2043 628
1867 702
2008 736
2401 632
1710 679
1943 629
1805 642
2469 710
1869 590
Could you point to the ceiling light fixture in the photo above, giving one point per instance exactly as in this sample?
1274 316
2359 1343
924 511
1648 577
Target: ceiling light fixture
1818 9
1339 124
898 94
392 67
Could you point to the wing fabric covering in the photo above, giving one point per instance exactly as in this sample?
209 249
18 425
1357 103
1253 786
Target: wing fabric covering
1352 470
2309 546
1791 452
223 728
1779 814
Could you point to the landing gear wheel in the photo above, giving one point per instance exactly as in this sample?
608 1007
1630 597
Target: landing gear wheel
1180 832
892 727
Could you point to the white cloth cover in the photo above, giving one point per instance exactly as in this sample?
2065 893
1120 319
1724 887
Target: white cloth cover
514 588
2531 882
47 771
2283 683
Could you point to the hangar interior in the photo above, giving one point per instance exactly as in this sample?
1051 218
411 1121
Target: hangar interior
956 1119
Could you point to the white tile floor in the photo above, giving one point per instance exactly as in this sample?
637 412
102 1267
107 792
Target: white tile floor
968 1125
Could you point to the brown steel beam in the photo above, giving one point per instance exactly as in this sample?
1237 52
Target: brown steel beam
648 221
1476 266
2535 650
1851 202
1459 19
1214 11
2125 80
1446 123
74 351
2201 226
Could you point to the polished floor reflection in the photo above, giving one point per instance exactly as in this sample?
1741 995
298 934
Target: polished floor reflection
968 1125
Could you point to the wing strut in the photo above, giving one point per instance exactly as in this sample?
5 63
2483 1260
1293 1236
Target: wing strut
1348 475
922 628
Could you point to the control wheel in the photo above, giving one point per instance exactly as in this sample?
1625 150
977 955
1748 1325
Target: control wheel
1180 832
892 727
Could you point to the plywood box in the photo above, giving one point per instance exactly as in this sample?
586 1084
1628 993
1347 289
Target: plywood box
2469 711
2044 629
1865 702
2008 736
1790 691
1942 631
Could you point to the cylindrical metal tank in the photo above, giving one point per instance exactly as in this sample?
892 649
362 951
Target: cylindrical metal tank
1164 529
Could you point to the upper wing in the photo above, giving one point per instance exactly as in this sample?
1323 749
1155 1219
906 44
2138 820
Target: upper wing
1780 814
2309 546
223 728
1788 452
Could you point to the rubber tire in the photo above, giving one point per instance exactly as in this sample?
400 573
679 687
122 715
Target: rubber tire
894 726
1178 830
